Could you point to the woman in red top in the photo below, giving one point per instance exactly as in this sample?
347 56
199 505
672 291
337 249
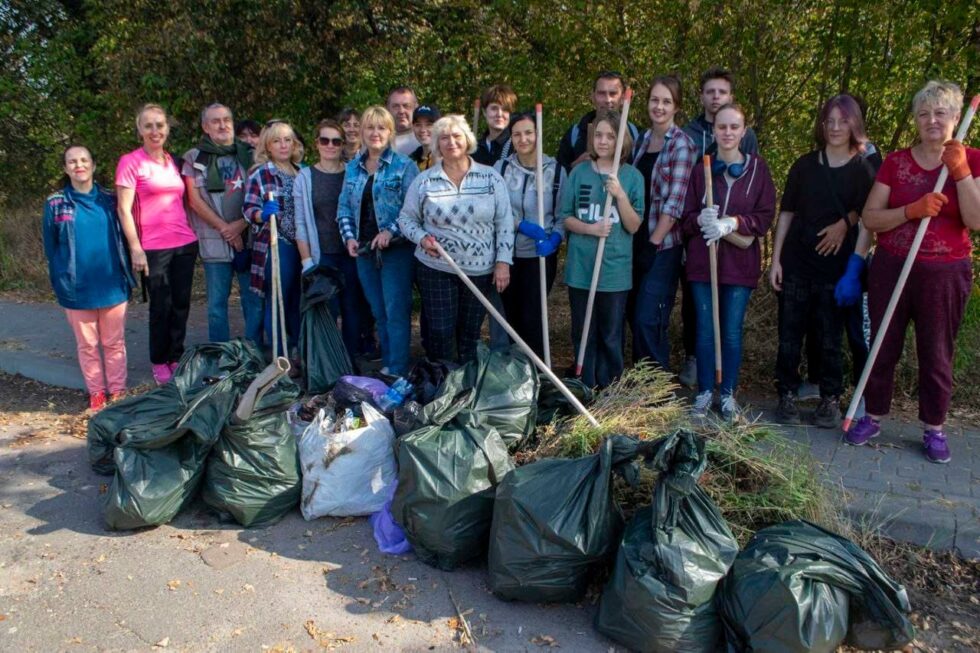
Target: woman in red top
939 284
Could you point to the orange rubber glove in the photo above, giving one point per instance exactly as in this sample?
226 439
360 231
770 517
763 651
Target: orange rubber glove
954 157
927 206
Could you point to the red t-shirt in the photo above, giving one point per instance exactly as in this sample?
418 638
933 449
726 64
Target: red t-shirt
947 238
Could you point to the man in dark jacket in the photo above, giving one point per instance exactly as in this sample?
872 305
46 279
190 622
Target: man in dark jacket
607 94
717 90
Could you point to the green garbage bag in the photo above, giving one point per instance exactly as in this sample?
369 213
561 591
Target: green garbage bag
553 521
553 404
798 587
321 347
505 385
156 444
447 473
253 472
672 556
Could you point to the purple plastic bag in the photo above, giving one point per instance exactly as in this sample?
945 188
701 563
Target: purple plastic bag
389 535
376 387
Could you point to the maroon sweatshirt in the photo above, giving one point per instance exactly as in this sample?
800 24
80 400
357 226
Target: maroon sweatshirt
752 198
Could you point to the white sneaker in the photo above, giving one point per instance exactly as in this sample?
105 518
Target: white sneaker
689 373
730 409
702 403
385 371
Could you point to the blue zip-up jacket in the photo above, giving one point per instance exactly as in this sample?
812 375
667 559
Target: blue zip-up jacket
395 174
88 261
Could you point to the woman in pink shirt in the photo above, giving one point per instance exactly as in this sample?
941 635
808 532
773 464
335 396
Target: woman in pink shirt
162 244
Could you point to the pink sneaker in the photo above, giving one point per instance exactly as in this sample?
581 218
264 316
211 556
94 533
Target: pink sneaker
162 373
96 401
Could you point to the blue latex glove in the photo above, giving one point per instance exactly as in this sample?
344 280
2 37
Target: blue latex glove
269 208
848 290
532 230
548 246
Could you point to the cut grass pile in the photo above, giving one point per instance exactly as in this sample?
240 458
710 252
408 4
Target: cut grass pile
755 475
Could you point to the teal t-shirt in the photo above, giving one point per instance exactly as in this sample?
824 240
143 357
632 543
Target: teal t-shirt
584 197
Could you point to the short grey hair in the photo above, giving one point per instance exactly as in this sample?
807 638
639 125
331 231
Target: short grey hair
939 93
445 124
214 105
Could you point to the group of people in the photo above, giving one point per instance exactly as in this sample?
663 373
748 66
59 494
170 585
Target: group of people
398 191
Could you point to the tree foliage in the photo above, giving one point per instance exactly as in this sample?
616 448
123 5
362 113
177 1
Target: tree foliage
75 71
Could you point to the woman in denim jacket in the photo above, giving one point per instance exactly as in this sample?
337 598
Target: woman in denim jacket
89 267
375 184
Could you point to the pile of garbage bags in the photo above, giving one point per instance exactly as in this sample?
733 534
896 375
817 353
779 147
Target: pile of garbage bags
428 458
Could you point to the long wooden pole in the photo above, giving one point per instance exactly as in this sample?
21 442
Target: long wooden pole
542 261
709 200
607 209
516 338
920 234
275 285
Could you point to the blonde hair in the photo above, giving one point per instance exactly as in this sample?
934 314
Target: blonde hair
611 118
447 123
275 129
939 93
378 115
150 106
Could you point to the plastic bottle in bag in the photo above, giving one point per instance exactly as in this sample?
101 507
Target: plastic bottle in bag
395 396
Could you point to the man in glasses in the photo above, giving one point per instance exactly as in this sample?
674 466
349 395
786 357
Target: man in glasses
607 94
401 104
215 173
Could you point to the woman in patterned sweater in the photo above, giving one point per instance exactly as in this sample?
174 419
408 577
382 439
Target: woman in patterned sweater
465 207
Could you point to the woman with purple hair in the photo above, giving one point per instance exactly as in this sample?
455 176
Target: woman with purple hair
815 269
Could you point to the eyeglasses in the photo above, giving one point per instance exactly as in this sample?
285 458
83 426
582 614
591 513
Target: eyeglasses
325 140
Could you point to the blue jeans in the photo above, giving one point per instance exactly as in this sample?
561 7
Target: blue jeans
218 276
290 269
388 288
732 300
655 295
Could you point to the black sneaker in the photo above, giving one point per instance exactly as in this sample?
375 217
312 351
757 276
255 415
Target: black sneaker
827 414
786 411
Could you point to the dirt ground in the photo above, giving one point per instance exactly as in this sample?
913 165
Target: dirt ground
199 584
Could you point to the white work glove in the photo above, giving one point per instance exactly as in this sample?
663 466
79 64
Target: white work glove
307 264
708 214
715 231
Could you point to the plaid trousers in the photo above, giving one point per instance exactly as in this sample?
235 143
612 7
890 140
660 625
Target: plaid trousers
454 315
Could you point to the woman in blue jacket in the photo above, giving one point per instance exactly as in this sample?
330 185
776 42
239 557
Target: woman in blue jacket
375 184
89 269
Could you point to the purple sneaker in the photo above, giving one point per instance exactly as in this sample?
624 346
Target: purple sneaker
935 447
862 432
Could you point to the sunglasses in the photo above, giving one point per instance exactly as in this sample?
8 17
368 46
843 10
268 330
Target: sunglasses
325 140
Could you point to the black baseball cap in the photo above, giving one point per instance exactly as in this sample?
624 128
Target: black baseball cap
429 111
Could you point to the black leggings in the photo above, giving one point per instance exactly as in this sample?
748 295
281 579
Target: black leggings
168 286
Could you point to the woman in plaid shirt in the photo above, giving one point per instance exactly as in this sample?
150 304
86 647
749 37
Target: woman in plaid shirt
664 156
277 161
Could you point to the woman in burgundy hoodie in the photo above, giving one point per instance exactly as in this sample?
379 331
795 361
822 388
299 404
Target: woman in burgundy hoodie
745 204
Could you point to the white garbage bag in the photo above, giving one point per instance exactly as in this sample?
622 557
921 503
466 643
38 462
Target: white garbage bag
347 473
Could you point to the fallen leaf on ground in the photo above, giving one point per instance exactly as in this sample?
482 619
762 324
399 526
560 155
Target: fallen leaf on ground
163 643
324 638
173 585
247 588
545 640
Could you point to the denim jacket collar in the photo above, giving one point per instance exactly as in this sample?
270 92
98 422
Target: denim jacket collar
385 158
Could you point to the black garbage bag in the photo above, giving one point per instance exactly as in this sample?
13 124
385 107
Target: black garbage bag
321 347
253 473
553 521
407 417
427 377
505 385
553 404
447 473
672 556
798 587
156 443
